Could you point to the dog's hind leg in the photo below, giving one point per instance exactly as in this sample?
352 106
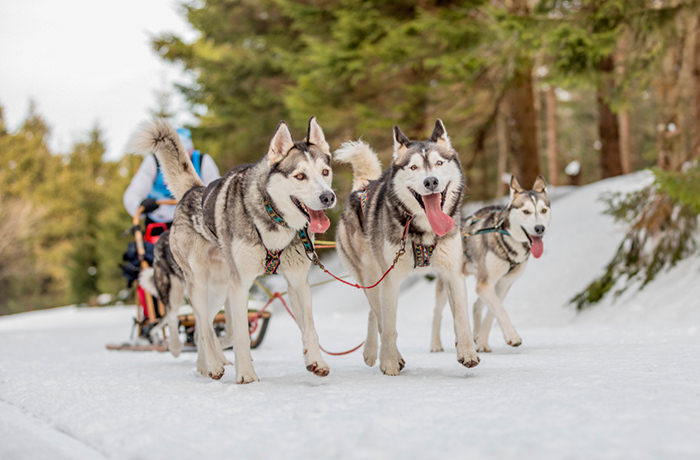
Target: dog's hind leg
457 296
217 295
227 340
482 326
300 298
440 300
176 296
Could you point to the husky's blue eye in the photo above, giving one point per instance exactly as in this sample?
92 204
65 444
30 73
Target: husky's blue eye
438 163
300 176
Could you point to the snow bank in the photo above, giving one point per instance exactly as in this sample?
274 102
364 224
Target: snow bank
618 381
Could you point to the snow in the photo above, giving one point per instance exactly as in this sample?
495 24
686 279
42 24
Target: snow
620 380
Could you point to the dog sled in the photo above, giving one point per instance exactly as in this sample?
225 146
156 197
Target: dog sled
148 333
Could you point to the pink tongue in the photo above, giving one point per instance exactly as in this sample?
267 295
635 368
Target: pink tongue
441 222
537 246
319 221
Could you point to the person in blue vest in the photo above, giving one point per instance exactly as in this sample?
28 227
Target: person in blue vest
148 185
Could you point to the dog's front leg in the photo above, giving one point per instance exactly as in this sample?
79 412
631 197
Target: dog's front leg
208 362
457 295
488 293
440 299
238 302
390 360
300 298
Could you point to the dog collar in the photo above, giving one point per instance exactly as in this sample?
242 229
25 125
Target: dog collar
274 215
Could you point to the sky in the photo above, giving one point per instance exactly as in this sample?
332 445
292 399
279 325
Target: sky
87 63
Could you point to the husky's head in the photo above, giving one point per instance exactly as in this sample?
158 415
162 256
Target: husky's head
300 177
529 212
427 177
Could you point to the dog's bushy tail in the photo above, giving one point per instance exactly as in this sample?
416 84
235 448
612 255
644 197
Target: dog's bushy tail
147 281
364 162
159 137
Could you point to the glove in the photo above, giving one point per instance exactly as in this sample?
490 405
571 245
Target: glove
149 205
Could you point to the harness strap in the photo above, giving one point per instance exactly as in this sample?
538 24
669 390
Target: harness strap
363 202
274 215
272 261
421 254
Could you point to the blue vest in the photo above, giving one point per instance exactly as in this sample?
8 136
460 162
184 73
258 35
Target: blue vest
160 188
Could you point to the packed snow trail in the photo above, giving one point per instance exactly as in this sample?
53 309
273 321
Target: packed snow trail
621 380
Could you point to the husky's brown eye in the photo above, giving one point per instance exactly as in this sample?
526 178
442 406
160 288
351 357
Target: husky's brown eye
326 172
544 211
300 176
526 212
414 167
438 163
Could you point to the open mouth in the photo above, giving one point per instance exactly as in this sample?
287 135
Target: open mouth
432 204
419 197
318 221
536 244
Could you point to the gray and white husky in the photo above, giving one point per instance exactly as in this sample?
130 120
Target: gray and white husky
498 241
420 196
256 219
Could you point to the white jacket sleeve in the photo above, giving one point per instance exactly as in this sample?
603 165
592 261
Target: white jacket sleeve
210 172
141 185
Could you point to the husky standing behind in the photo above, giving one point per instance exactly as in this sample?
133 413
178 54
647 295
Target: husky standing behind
419 194
498 242
252 221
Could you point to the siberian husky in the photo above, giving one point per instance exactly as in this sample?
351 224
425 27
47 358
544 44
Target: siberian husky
498 241
418 196
257 219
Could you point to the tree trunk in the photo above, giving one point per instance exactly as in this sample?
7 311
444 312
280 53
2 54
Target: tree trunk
608 125
502 138
552 151
522 123
625 154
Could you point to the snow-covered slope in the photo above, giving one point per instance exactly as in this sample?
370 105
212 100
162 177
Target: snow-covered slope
618 381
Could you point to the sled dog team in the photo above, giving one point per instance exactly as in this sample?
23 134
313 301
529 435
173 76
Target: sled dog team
261 218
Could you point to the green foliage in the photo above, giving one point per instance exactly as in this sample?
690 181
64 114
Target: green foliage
663 220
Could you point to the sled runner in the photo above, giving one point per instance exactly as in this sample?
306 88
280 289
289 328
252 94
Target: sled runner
150 311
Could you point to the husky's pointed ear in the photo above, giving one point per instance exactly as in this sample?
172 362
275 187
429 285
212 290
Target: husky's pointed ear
316 137
515 187
440 135
540 185
280 144
400 142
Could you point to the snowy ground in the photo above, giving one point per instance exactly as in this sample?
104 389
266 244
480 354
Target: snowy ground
621 380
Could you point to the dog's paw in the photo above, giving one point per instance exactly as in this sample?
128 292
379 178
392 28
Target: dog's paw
319 368
514 341
246 378
392 367
370 355
216 374
468 359
175 350
436 347
483 348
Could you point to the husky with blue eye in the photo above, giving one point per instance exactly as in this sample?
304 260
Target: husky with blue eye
257 219
413 206
498 241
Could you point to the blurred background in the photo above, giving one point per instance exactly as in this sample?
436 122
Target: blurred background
575 90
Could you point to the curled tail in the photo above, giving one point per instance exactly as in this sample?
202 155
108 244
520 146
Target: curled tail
159 137
147 281
364 162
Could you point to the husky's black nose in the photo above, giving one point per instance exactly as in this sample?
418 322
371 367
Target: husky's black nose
431 183
539 229
327 199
